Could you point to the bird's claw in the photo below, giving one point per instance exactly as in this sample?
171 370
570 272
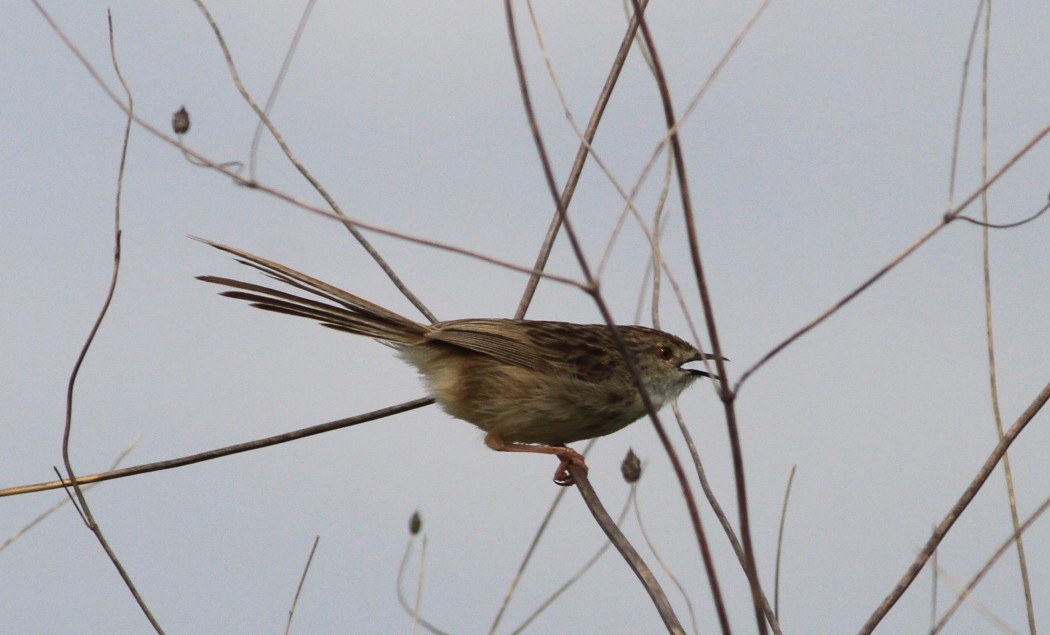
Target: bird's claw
562 476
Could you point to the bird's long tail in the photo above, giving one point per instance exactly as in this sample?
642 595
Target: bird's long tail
342 311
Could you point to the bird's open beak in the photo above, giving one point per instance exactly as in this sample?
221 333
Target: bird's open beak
695 366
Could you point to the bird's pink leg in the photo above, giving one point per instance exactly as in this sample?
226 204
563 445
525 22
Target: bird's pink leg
567 455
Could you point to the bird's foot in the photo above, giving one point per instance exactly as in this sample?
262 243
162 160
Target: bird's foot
568 457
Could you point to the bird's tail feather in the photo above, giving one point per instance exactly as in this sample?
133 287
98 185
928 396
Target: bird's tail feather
343 311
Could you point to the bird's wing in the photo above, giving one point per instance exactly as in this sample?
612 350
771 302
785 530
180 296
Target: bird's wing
492 338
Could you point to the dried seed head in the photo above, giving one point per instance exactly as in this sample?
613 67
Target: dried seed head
180 121
631 468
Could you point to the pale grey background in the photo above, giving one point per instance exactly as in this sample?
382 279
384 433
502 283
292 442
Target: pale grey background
821 152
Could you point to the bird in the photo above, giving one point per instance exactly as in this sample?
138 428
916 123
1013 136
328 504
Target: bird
529 385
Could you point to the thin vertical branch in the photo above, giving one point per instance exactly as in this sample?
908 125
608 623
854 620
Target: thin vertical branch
577 165
595 293
89 519
410 610
565 586
993 384
419 585
780 542
299 588
645 575
725 393
527 558
716 507
953 170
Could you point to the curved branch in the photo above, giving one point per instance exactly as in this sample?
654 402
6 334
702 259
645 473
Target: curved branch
608 525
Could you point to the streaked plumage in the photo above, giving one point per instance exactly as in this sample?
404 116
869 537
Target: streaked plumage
532 386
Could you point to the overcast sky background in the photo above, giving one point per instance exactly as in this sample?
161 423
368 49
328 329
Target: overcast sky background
822 151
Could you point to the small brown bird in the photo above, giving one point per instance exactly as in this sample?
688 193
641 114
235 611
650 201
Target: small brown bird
532 386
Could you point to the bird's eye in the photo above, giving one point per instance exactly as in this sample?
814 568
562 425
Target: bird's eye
665 353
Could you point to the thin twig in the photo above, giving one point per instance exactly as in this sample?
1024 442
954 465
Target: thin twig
71 497
985 224
83 506
66 499
968 590
780 542
716 507
277 83
645 576
588 150
934 586
224 451
540 531
416 618
628 197
952 214
702 91
975 603
651 275
656 265
956 510
299 589
419 585
956 136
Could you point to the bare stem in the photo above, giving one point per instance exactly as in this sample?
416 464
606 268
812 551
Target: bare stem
417 619
780 541
993 385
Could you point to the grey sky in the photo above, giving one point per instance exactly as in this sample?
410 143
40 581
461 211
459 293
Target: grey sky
822 151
